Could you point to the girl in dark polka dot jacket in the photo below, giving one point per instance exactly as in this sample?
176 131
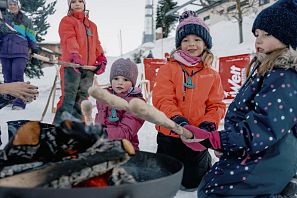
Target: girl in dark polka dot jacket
259 140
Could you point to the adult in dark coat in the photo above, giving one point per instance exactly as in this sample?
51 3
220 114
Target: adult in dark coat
15 44
259 141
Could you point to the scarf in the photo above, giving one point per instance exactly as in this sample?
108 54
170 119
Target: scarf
185 58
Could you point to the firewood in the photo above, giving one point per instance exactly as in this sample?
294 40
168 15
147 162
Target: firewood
28 134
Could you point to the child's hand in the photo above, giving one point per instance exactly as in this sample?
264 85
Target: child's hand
210 139
75 58
22 90
101 62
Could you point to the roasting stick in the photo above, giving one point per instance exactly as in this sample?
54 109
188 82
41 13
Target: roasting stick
151 114
105 97
86 108
140 109
66 64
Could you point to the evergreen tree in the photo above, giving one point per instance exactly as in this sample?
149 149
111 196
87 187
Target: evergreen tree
166 22
38 11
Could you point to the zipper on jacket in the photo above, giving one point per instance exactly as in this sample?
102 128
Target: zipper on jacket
88 44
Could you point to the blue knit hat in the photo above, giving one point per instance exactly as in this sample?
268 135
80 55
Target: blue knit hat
279 20
190 23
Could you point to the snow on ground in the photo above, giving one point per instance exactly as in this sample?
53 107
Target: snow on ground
225 39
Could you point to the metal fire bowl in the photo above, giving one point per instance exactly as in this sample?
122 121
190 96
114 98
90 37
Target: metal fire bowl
158 176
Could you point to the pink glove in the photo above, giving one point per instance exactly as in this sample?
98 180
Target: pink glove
194 144
75 58
101 62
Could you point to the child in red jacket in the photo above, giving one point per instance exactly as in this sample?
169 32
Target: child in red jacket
79 44
189 91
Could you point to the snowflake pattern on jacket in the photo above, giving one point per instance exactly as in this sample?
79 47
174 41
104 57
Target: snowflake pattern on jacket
260 136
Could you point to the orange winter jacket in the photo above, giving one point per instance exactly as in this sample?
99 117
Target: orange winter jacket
73 30
202 103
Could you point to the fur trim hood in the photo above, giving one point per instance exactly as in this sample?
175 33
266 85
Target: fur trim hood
288 59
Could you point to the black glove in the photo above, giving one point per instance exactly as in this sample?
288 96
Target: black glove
208 126
35 61
35 50
180 120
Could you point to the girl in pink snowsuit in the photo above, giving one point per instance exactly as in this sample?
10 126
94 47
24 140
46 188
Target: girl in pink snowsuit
119 123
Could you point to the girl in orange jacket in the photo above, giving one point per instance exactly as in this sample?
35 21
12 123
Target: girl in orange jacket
189 91
79 44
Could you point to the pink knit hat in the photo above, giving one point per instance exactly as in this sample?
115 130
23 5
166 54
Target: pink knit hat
126 68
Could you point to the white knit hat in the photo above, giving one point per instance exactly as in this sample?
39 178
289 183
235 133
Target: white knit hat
69 2
16 2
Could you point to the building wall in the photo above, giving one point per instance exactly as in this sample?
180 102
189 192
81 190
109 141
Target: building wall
218 13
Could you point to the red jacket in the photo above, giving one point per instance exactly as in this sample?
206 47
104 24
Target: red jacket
73 30
202 103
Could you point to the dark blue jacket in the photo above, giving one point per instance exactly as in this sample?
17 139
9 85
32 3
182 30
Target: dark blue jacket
16 43
260 138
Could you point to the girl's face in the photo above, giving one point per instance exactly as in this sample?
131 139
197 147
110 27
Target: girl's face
77 5
193 44
266 43
120 84
13 8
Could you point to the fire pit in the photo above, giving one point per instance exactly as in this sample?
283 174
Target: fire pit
156 175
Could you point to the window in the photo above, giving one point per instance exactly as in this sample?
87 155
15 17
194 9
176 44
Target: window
206 18
230 8
263 2
244 3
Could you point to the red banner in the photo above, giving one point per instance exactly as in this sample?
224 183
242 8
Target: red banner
233 73
151 67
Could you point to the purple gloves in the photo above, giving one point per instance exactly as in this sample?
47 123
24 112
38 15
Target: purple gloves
101 62
210 139
75 58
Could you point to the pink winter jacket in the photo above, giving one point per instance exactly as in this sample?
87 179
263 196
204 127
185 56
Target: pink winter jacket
127 126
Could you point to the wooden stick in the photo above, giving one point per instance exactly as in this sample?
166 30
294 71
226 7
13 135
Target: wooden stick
107 98
151 114
139 108
86 108
66 64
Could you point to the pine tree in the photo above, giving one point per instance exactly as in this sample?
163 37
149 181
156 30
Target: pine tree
166 22
37 11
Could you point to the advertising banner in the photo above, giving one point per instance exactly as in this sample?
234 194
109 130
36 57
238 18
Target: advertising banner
232 70
151 67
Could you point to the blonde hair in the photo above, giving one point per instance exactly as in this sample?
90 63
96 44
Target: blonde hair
266 63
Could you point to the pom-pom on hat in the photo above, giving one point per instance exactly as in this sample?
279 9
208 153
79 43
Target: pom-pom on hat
279 20
190 23
16 2
126 68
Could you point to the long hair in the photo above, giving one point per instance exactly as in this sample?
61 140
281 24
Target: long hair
265 62
269 61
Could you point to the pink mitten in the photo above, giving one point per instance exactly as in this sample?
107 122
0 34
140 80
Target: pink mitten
198 145
101 62
75 58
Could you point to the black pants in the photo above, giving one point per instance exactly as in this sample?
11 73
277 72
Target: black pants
196 164
74 90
